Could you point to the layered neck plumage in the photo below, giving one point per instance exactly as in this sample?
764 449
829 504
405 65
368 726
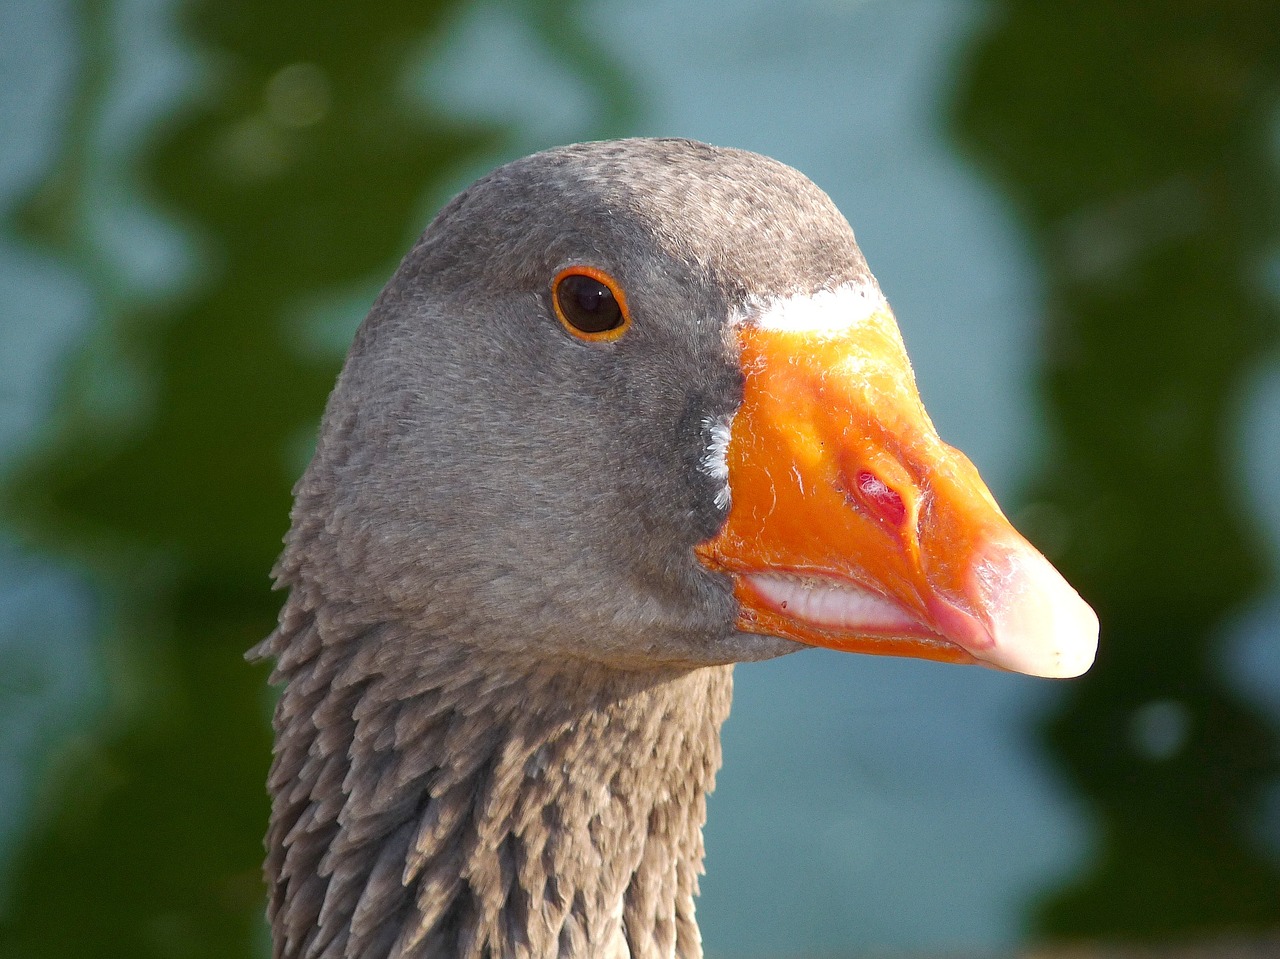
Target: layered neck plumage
429 800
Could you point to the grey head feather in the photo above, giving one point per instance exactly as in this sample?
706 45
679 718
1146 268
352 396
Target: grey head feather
503 667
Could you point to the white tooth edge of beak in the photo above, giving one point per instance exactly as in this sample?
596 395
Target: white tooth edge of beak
1040 625
830 604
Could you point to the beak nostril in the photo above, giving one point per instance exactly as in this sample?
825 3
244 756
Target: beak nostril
880 498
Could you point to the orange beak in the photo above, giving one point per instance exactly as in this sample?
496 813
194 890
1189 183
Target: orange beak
853 526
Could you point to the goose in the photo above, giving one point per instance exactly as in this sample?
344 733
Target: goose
627 413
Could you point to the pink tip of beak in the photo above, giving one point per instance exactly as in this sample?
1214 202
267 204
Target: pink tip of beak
1020 614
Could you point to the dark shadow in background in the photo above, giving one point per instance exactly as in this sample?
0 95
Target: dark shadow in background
1134 139
300 171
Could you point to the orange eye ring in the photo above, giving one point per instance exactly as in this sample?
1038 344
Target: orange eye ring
590 304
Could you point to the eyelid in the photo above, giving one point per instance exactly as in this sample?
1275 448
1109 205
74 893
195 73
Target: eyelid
600 276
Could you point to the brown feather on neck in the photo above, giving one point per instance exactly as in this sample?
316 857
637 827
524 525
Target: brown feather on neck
444 804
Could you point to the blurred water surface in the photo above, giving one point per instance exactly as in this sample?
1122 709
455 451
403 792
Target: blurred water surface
1074 211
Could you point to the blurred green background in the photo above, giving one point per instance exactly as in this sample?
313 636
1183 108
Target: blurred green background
1075 211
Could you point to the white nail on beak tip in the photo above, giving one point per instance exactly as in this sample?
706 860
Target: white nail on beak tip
1039 624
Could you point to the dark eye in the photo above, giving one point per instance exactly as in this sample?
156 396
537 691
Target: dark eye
590 303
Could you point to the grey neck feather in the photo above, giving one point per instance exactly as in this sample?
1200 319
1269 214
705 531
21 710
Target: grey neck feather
463 807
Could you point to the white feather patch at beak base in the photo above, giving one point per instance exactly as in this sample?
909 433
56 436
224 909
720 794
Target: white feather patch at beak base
715 456
825 311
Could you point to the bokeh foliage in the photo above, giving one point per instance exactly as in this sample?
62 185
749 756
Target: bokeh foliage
1137 142
299 170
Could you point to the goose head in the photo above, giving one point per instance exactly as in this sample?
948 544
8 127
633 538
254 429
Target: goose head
736 462
626 413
